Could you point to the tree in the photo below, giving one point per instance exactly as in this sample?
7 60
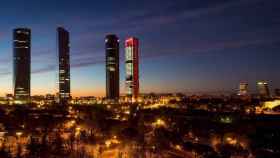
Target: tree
4 153
58 146
32 148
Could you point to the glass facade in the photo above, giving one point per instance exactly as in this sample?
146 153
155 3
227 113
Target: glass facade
132 67
112 67
22 65
64 64
263 89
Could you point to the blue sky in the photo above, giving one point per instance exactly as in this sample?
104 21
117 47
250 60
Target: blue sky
185 45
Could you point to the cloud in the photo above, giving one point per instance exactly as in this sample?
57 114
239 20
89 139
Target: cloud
5 73
88 59
86 51
86 63
77 63
44 69
4 61
206 47
148 20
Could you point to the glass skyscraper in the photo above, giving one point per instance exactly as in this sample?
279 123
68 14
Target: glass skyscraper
243 89
132 67
112 67
263 89
63 47
22 66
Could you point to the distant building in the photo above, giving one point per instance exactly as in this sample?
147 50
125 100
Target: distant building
22 61
64 64
243 89
277 92
9 97
50 96
263 89
49 99
112 67
132 67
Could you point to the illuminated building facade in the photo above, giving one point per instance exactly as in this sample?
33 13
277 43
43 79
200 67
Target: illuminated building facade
132 67
22 64
64 64
263 89
112 67
243 89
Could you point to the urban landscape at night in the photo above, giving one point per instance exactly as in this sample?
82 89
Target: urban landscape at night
140 79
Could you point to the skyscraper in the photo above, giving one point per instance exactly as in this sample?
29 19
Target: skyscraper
132 67
243 89
263 89
22 58
112 67
63 47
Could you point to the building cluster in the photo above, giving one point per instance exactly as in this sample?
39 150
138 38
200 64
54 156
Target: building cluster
131 66
22 73
262 87
22 67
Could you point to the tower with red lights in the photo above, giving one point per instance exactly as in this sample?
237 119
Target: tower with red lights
132 67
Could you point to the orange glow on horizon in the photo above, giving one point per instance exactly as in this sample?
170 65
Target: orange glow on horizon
75 93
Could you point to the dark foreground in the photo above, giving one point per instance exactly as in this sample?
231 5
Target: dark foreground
99 131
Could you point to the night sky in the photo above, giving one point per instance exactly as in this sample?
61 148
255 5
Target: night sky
185 45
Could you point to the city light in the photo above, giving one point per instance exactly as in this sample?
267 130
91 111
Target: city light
18 134
159 123
139 79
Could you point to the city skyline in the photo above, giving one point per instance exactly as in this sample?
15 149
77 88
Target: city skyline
246 52
140 79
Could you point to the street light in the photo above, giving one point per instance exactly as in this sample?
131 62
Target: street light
18 134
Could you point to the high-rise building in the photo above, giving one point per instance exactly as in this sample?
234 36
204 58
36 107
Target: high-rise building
22 66
132 67
112 67
243 89
63 47
263 89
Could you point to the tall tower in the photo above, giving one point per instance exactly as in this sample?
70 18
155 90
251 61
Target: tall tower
22 66
63 47
112 67
263 89
132 67
243 89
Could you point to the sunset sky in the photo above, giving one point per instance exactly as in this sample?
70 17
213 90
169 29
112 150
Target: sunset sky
185 45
